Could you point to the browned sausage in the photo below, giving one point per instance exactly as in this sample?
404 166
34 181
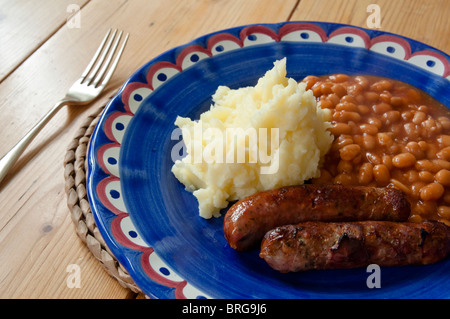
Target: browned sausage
317 245
249 219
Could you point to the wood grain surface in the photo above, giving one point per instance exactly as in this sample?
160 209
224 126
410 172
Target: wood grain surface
46 45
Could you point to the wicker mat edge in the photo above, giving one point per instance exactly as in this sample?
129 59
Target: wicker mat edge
75 167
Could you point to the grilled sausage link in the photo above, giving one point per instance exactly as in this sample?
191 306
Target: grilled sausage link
317 245
249 219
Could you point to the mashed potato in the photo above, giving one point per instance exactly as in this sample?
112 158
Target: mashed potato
253 139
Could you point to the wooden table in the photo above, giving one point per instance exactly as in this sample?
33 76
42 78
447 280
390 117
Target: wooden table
45 46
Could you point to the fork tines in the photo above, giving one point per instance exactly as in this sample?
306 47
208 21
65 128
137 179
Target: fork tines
100 63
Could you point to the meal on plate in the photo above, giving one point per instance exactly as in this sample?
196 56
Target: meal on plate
362 171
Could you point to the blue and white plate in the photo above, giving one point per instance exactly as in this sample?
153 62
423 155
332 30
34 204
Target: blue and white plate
151 223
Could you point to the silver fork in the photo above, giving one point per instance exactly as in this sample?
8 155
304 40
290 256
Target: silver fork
87 88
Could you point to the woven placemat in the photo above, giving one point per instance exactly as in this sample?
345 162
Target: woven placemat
75 166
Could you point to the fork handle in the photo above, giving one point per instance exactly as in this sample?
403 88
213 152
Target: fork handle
10 158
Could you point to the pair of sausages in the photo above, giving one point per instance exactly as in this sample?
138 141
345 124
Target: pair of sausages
333 226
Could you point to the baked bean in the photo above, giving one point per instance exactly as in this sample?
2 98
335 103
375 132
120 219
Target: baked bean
426 177
419 117
396 128
365 174
362 109
412 131
354 127
407 115
368 142
411 176
444 212
384 139
364 82
427 165
416 187
358 139
385 96
430 128
432 151
344 179
397 101
415 218
445 122
339 90
446 197
423 108
348 99
357 159
344 116
426 208
310 80
443 177
444 153
394 149
423 145
348 152
381 108
397 174
381 174
342 141
441 163
360 99
316 89
325 88
340 128
403 160
381 86
371 97
338 78
444 140
373 158
390 117
413 95
333 98
387 161
346 106
355 89
325 104
344 167
430 124
415 149
375 121
432 191
369 129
